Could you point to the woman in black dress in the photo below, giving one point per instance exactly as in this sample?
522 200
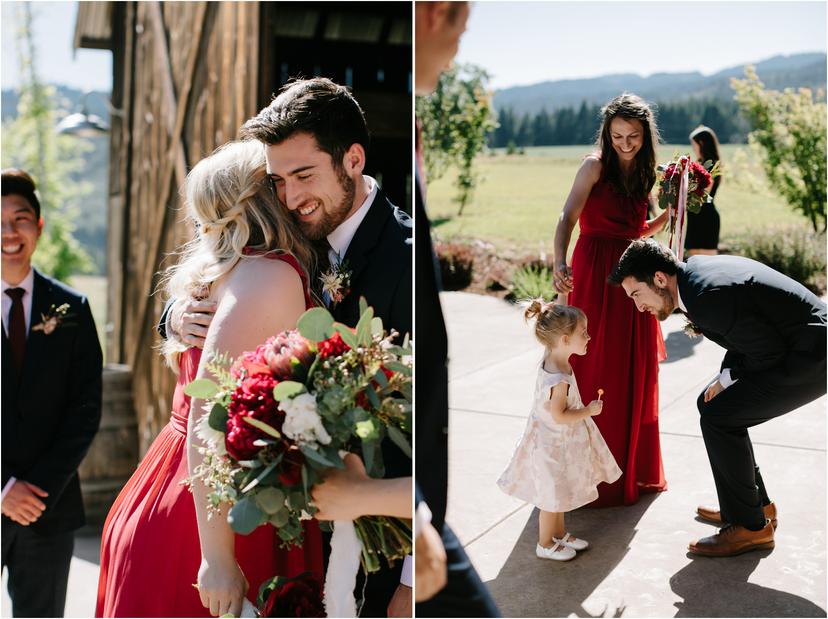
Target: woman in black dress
703 227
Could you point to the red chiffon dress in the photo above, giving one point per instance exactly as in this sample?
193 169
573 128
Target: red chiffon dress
150 552
625 349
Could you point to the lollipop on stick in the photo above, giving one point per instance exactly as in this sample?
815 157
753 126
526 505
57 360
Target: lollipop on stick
600 393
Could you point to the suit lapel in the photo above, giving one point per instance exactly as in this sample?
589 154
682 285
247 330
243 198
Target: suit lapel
10 376
368 234
36 340
685 290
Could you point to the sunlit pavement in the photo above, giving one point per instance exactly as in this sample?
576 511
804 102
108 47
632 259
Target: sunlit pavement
638 565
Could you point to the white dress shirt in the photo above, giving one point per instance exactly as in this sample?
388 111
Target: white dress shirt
28 285
724 376
340 239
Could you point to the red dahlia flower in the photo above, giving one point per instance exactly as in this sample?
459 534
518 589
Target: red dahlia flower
252 398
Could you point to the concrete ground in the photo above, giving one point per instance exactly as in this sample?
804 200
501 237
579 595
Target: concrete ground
638 565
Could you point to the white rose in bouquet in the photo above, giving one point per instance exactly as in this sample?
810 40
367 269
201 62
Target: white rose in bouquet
302 423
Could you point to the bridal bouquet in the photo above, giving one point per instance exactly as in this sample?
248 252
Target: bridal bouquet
281 414
698 180
683 186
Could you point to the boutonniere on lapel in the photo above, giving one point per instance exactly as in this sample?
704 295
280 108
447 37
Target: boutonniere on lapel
53 319
692 330
336 281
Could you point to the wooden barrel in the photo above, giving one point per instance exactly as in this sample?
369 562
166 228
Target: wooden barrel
113 456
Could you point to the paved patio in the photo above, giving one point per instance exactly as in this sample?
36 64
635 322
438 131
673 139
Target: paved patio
638 565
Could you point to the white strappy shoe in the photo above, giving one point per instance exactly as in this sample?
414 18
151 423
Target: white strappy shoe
558 552
570 541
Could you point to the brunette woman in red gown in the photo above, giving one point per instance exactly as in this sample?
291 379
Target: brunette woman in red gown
609 200
157 542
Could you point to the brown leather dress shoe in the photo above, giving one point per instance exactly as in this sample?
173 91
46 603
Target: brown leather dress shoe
733 540
711 514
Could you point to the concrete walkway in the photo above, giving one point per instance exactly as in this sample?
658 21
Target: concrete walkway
638 565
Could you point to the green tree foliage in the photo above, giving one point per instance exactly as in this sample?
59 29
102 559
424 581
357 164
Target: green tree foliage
789 133
31 143
455 121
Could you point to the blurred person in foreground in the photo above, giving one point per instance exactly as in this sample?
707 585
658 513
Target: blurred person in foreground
447 584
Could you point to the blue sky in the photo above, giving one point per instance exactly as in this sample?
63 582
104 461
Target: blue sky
529 42
54 27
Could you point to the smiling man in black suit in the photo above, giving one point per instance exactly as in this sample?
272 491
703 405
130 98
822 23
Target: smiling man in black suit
774 331
51 394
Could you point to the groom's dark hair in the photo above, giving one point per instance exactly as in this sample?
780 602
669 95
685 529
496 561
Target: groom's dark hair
641 260
316 106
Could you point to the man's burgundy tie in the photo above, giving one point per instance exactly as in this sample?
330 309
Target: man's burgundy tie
17 326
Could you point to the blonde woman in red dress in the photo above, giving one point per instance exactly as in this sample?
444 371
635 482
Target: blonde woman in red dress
157 541
609 201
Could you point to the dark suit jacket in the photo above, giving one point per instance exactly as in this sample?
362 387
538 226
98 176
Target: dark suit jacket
51 412
431 373
379 258
774 329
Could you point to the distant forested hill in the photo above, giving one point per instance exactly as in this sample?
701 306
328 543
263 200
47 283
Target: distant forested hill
567 111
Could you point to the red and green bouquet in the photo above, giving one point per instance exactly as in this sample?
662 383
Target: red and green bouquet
699 179
279 416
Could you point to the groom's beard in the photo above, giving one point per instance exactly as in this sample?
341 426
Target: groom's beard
667 304
330 221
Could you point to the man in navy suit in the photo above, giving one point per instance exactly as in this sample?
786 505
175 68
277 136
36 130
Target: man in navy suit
774 331
51 394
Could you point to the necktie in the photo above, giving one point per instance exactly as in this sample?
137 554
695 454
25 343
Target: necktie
17 326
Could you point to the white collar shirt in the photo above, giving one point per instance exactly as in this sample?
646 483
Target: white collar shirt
28 285
340 239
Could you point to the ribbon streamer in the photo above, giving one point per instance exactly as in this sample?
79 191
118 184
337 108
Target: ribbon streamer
677 217
248 610
343 566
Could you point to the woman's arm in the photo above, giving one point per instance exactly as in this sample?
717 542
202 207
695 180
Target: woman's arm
588 174
557 408
349 493
260 298
655 225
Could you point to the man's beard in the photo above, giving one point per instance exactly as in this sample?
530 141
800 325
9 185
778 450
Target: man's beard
330 221
667 305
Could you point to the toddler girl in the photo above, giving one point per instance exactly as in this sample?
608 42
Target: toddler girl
562 456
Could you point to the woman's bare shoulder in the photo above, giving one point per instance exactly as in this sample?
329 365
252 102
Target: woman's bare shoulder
592 164
264 277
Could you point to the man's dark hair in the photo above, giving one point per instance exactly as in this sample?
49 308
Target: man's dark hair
16 182
641 260
316 106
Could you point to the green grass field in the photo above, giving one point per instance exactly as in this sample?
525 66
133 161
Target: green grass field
520 197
